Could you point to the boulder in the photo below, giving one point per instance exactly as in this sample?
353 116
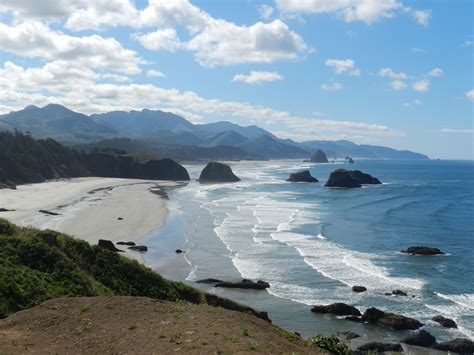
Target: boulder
380 347
458 345
217 172
359 288
341 178
445 322
209 281
126 243
301 176
399 293
107 244
390 320
245 284
179 251
363 178
340 309
319 157
140 248
421 250
422 338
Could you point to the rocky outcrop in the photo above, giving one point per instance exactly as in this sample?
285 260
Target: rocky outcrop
126 243
458 345
354 319
359 288
342 178
217 172
399 293
209 281
380 347
421 250
390 320
349 160
340 309
301 176
422 338
140 248
245 284
107 244
363 178
319 157
445 322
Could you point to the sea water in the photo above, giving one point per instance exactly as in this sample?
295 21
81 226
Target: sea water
312 243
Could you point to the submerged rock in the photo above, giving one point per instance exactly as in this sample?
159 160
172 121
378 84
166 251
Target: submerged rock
380 347
107 244
217 172
458 345
245 284
390 320
302 176
140 248
340 309
319 157
421 250
342 178
445 322
359 288
422 338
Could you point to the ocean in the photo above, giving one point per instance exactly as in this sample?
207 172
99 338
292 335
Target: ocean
312 243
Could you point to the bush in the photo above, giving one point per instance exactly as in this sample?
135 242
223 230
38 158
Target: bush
331 343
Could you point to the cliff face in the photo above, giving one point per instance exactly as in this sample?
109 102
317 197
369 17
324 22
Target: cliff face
27 160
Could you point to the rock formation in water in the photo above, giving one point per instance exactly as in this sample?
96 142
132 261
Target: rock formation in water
302 176
375 347
390 320
445 322
350 178
420 250
319 157
339 309
458 345
245 284
422 338
107 244
359 288
363 178
217 172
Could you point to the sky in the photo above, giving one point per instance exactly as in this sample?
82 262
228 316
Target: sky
387 72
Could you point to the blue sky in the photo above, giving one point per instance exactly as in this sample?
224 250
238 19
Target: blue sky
389 72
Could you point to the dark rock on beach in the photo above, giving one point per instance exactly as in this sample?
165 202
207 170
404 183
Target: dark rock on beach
217 172
421 250
107 244
126 243
340 309
301 176
119 218
359 288
422 338
209 281
445 322
319 157
49 213
140 248
342 178
245 284
458 345
5 210
179 251
390 320
380 347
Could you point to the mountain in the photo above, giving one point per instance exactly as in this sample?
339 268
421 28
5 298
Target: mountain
58 122
222 126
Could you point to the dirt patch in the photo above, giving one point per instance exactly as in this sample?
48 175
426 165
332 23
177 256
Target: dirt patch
138 325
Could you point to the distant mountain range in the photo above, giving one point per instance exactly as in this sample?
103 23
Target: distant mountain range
167 134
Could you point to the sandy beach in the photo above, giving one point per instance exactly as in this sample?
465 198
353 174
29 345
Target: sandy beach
90 208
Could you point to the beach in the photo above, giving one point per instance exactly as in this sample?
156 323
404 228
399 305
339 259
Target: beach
90 208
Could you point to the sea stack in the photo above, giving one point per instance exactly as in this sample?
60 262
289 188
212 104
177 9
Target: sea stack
350 178
217 172
302 176
319 157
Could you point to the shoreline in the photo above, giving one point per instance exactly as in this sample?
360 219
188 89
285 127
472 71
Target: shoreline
90 208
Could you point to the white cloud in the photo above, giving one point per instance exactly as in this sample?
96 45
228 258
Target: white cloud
436 72
389 73
34 9
341 66
79 90
412 103
266 11
421 86
165 39
152 73
398 85
422 17
470 95
34 39
258 77
334 86
455 130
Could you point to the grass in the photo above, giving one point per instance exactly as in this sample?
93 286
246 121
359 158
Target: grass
82 308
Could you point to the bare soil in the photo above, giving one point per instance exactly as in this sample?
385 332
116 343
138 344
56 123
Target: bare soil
138 325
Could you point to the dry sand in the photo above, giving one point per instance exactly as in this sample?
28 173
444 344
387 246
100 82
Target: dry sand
89 208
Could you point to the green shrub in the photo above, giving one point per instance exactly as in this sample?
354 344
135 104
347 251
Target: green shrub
331 343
